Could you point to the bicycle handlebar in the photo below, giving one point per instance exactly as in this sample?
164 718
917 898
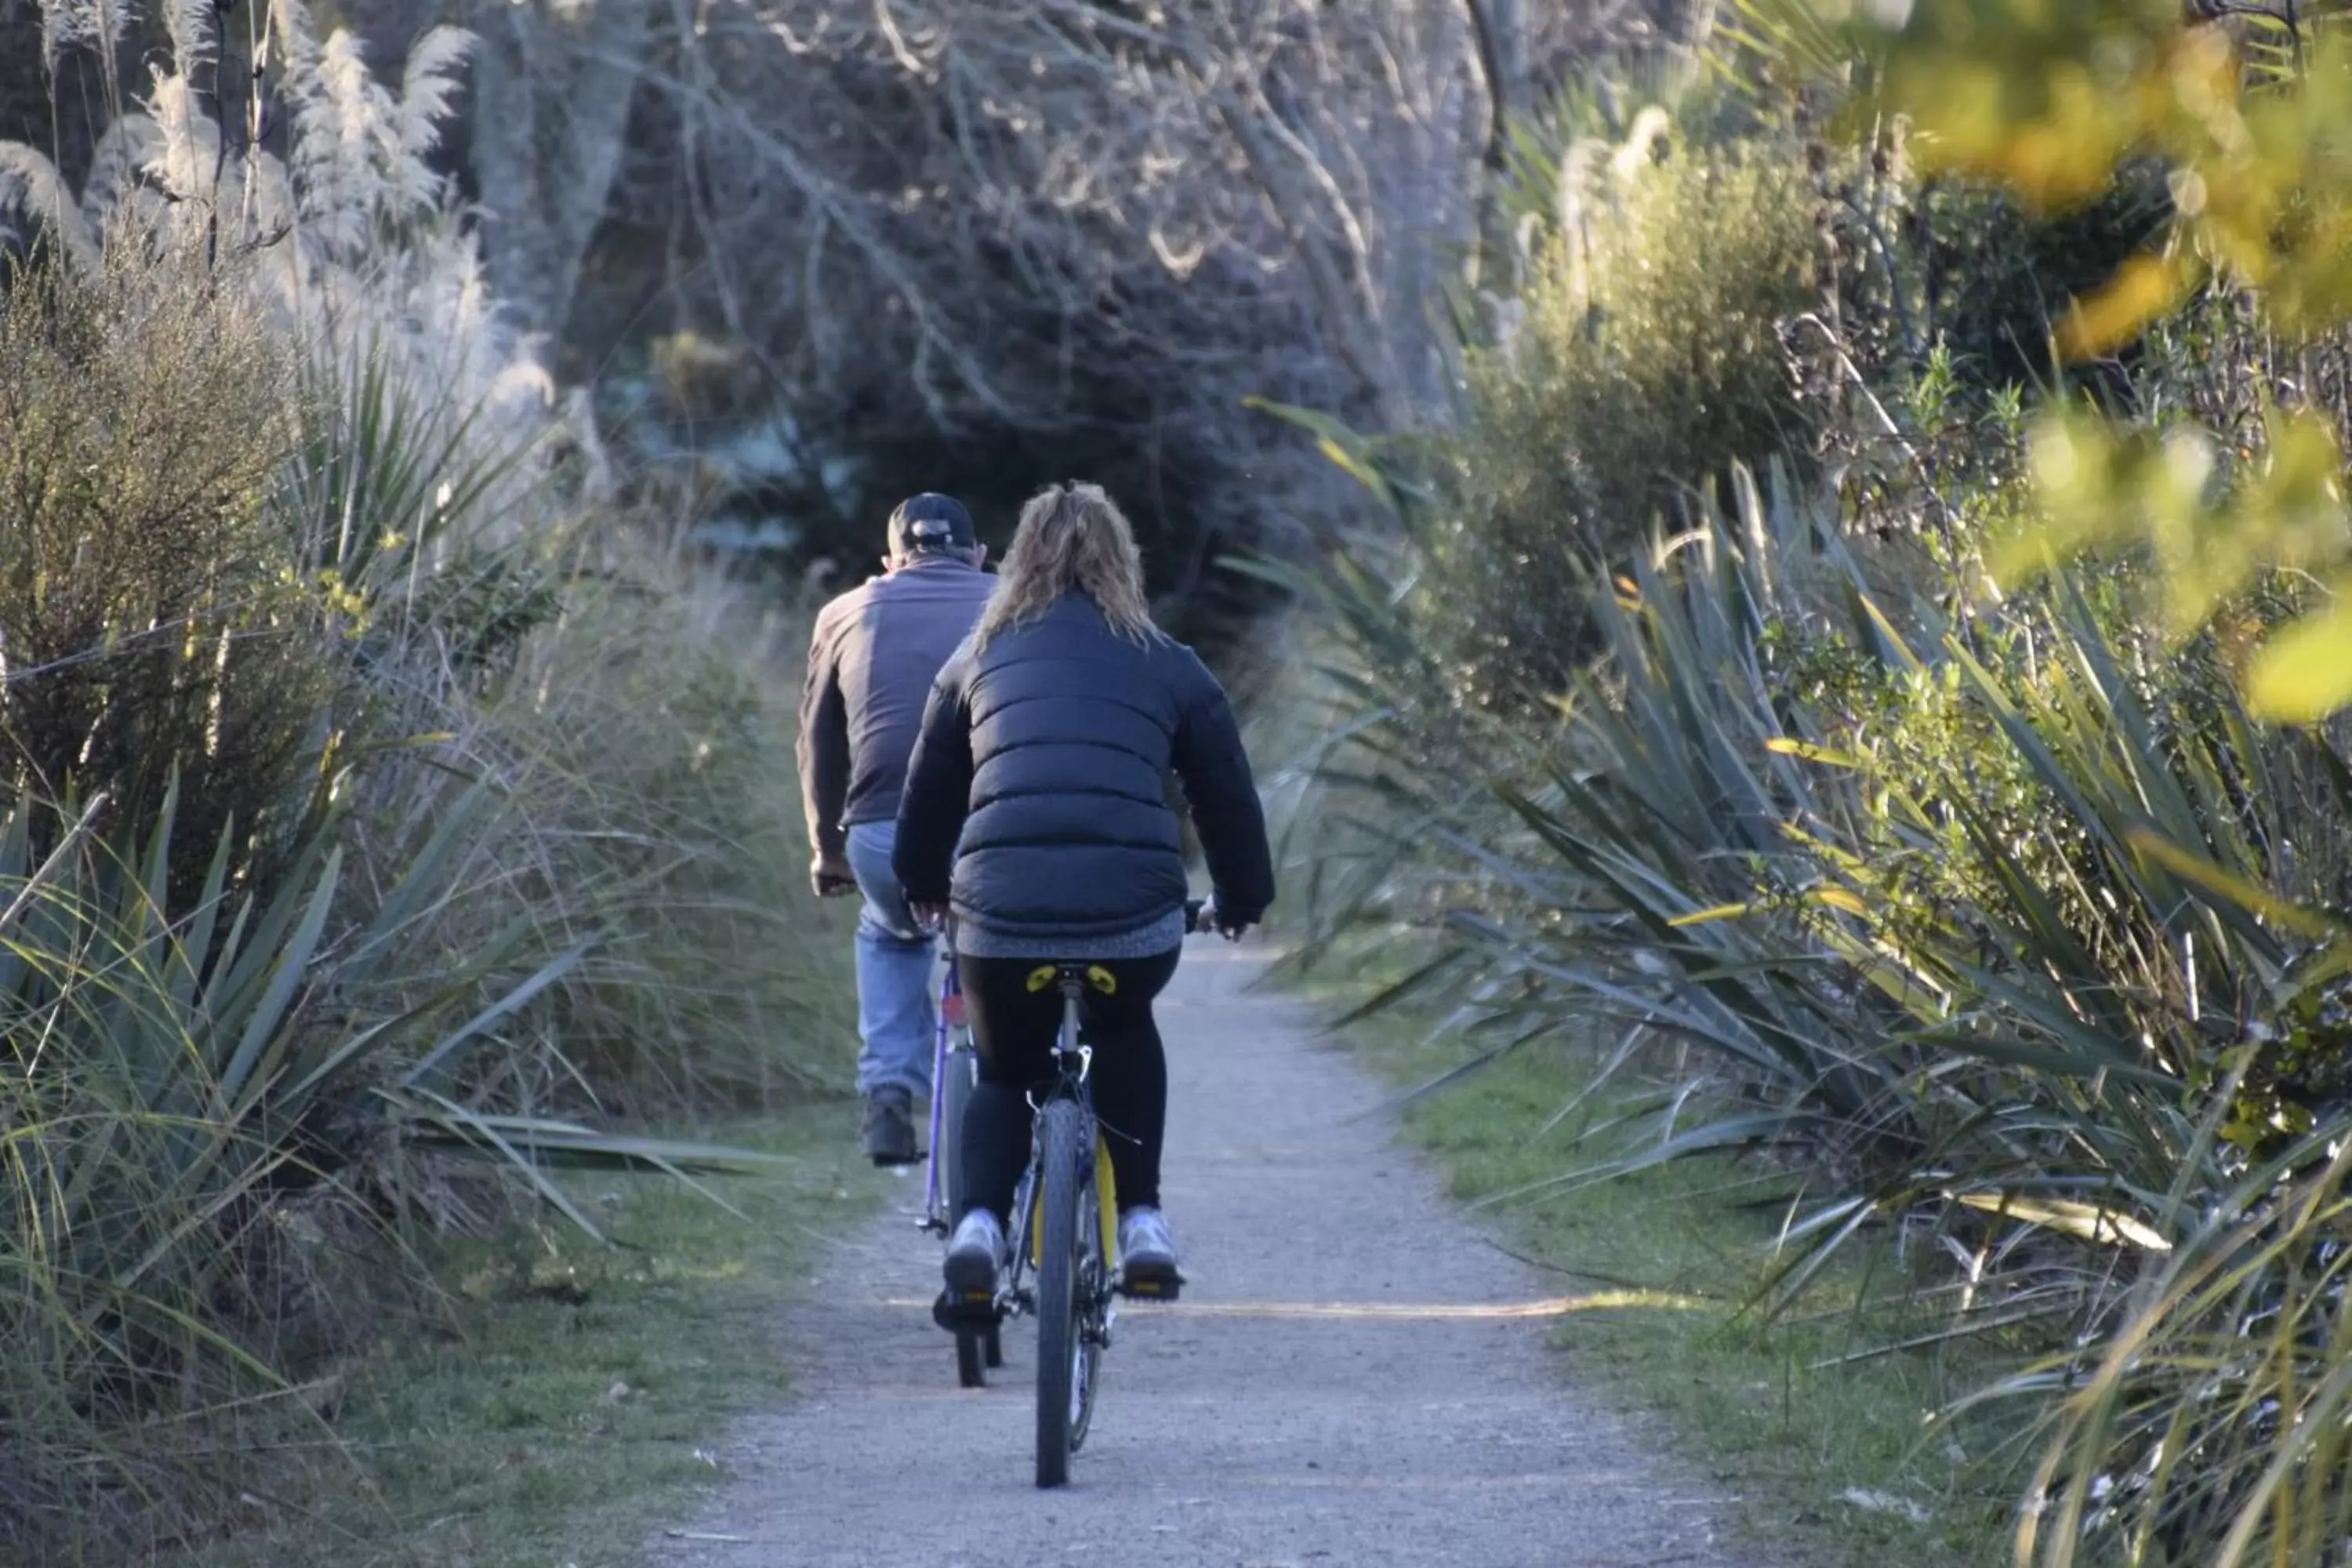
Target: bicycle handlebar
1194 908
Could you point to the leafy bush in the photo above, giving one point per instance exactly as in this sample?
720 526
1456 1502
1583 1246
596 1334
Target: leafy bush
151 622
575 872
1644 359
645 740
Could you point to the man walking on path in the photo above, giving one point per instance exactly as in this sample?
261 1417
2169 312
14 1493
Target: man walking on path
872 659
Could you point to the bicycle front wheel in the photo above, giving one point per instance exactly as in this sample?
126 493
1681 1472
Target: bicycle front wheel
954 1089
1066 1144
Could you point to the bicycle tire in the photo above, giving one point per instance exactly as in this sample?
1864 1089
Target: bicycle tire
971 1355
1088 1369
1061 1141
954 1093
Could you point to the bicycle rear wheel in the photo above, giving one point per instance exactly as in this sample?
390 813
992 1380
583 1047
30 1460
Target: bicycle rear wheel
1086 1370
1066 1145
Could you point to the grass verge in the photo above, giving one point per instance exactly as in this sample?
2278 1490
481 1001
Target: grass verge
1816 1428
566 1395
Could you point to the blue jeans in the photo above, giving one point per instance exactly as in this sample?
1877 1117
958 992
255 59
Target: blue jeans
897 973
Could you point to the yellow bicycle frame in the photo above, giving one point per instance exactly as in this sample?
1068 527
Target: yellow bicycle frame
1105 1189
1106 1206
1105 1213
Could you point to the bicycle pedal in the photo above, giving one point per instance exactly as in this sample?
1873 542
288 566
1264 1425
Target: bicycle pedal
956 1310
1151 1290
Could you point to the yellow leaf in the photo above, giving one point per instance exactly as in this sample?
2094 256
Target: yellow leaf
1806 752
2085 1220
2144 287
1348 463
2088 477
2248 895
2304 673
1719 912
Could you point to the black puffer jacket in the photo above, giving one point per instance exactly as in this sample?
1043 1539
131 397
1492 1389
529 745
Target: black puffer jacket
1046 752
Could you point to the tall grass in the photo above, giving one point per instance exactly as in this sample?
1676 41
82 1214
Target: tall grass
645 736
184 1083
383 821
264 1007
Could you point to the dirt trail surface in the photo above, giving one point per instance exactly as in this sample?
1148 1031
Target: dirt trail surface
1249 1425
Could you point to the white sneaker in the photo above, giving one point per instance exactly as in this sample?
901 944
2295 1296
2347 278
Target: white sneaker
1147 1253
974 1254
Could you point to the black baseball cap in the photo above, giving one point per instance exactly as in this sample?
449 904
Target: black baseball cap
931 521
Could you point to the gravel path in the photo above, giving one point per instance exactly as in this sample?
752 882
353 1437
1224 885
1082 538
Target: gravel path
1238 1428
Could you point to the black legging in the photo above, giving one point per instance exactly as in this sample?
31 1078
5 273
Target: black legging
1013 1029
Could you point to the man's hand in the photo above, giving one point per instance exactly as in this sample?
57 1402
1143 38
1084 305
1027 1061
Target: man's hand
832 884
929 917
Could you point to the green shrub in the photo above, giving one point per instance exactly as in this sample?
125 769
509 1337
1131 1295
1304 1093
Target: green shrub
1646 361
645 739
386 865
150 620
203 1097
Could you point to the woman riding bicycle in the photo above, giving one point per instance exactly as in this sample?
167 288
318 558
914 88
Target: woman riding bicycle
1036 806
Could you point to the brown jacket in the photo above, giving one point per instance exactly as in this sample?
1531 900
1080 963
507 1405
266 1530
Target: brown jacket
872 659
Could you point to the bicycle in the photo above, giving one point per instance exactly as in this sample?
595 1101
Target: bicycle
1064 1268
955 1069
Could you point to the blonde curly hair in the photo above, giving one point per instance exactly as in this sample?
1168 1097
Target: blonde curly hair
1073 539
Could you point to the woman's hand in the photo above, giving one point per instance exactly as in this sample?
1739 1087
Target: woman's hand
1223 924
932 917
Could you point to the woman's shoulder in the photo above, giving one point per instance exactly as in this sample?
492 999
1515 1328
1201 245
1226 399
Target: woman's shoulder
961 665
1072 627
1178 661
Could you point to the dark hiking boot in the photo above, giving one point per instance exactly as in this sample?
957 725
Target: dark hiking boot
888 1136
